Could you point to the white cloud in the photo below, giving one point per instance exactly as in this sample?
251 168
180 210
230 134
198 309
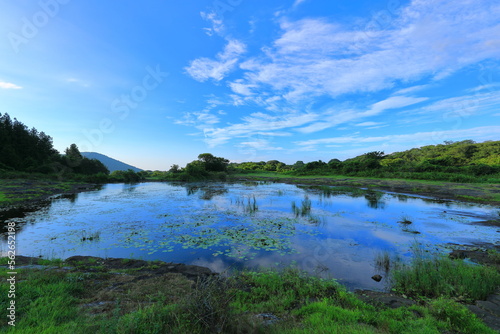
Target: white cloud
240 88
257 123
316 57
198 119
298 2
412 89
9 85
217 24
453 109
202 69
368 124
259 144
80 82
393 102
431 137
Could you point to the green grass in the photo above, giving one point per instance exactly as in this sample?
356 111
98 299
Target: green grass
494 255
443 277
50 302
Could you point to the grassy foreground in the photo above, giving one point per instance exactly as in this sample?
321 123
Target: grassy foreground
88 298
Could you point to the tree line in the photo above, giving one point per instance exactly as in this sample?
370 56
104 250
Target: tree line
28 150
461 161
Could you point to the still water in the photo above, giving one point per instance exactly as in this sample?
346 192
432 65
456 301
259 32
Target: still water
327 231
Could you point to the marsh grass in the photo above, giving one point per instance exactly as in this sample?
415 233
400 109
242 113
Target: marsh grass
494 256
251 207
439 276
90 236
304 209
383 261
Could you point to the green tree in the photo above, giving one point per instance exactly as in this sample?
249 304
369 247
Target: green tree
212 163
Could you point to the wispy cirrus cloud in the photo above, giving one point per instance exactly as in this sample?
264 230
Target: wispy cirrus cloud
9 85
202 69
315 57
454 109
216 22
478 133
368 124
298 2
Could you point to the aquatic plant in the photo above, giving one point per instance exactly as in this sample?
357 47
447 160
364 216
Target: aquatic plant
251 207
383 261
90 236
405 220
438 276
305 208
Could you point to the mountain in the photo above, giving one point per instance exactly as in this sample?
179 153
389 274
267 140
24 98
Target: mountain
110 163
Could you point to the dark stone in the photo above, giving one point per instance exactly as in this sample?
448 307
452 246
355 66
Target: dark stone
383 299
377 278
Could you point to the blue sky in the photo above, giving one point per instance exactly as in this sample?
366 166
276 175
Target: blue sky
155 83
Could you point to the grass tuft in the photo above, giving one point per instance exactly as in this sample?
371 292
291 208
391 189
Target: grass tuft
443 277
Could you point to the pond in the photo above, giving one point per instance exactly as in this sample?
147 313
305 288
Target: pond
329 231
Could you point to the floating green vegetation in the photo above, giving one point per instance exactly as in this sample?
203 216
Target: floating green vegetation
238 238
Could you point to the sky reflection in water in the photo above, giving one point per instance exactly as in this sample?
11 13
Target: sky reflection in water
336 233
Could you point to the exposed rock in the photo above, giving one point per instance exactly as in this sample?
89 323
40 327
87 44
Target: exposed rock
383 299
267 318
377 278
488 311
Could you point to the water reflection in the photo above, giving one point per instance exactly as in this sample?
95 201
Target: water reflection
21 216
375 199
206 191
325 230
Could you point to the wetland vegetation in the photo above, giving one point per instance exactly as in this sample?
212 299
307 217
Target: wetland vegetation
83 295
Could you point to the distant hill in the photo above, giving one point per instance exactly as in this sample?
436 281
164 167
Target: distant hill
110 163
